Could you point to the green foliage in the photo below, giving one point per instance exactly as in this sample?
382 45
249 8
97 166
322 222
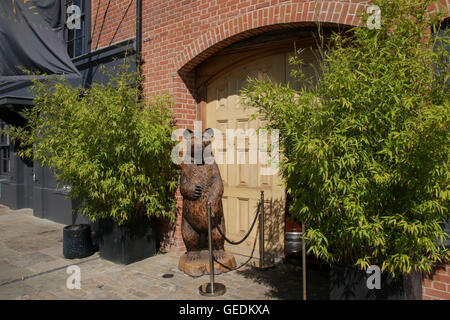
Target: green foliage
366 149
113 149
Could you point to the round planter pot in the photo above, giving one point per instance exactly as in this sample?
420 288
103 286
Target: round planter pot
77 241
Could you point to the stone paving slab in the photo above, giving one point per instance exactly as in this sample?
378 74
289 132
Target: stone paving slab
32 267
9 272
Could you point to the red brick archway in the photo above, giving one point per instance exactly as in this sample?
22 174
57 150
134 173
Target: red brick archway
285 15
281 16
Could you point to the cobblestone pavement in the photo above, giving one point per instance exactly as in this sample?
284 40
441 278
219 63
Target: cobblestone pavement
32 267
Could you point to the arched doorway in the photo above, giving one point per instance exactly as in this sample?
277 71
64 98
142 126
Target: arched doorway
219 80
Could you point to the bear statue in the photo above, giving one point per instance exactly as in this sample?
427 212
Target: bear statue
200 183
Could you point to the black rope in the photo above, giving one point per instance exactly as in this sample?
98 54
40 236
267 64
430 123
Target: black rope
238 242
248 233
243 264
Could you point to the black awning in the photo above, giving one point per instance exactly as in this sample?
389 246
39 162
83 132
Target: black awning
11 109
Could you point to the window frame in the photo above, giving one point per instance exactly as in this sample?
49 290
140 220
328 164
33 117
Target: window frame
86 29
5 148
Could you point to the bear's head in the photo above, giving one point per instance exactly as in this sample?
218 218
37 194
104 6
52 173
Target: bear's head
199 149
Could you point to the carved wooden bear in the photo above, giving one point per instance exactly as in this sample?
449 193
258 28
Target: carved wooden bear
201 182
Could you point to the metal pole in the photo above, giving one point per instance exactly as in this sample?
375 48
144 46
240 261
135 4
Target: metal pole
304 260
261 232
138 33
211 289
211 261
139 47
263 264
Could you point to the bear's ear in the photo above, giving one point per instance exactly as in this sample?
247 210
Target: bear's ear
187 134
208 133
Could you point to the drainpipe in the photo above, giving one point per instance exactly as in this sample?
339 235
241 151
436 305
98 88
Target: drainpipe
138 33
139 40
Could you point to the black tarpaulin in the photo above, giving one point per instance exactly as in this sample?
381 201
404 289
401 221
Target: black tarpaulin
31 38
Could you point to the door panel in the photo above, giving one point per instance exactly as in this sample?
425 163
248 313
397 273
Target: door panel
242 179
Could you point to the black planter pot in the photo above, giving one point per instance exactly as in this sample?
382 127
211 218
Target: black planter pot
350 283
77 241
127 243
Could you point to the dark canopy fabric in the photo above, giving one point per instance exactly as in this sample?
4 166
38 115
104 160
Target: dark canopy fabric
31 38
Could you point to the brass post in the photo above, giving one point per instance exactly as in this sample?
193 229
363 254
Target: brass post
211 261
261 232
263 264
211 289
304 260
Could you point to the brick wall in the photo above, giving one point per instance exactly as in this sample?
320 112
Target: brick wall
437 285
112 21
180 34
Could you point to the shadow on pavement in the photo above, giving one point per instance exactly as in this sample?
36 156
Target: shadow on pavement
285 281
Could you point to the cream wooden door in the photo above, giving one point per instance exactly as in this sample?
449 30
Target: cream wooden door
243 182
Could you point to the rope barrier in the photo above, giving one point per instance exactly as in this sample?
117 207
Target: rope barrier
243 264
248 233
213 289
240 241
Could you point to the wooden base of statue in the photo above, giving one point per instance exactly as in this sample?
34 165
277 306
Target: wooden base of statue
199 265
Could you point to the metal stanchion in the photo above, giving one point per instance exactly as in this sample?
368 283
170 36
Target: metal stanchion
261 233
304 260
262 265
211 289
